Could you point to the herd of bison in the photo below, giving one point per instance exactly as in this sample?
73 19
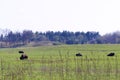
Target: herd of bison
24 56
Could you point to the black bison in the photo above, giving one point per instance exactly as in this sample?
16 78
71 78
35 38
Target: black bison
111 54
21 51
78 54
23 56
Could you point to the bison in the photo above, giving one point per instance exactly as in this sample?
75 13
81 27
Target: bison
21 51
78 54
23 56
111 54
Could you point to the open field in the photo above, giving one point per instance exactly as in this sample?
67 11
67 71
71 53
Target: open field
60 63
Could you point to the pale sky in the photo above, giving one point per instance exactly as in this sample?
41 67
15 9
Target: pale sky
58 15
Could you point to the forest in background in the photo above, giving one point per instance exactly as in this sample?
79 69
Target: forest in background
16 39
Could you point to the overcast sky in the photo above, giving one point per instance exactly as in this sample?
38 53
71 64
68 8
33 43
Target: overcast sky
58 15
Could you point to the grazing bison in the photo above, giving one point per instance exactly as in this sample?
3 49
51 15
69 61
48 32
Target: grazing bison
78 54
23 56
111 54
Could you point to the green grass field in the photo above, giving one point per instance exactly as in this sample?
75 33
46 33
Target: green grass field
60 63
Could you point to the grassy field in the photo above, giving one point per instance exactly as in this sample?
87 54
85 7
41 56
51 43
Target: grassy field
60 63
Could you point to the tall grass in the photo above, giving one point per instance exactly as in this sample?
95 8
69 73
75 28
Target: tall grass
60 63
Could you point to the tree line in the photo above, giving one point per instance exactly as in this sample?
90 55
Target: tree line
65 37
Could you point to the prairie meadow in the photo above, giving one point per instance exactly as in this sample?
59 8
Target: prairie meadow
61 63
